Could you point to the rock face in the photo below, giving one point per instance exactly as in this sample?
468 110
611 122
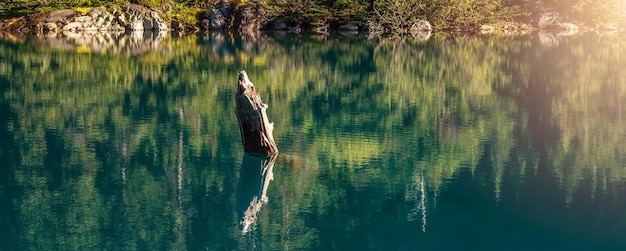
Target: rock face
244 18
137 17
61 16
248 18
129 17
219 12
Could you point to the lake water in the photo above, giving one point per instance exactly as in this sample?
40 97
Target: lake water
451 143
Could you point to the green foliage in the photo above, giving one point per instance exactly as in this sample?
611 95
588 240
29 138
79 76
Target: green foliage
351 11
444 14
590 11
303 12
12 8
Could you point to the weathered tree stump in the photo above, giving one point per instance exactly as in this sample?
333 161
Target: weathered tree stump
255 128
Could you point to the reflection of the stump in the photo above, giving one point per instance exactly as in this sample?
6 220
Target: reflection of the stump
254 178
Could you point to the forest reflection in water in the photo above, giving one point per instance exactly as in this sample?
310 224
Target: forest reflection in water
501 142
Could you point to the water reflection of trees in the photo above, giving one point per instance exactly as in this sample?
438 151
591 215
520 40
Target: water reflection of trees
93 157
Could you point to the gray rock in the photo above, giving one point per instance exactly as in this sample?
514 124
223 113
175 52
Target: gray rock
135 25
371 27
136 17
116 27
50 27
421 26
247 18
82 19
280 26
97 11
205 24
121 19
484 29
322 29
218 21
61 16
295 29
348 27
157 22
73 26
147 24
106 25
160 25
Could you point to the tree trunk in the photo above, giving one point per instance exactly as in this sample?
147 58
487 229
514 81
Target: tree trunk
255 128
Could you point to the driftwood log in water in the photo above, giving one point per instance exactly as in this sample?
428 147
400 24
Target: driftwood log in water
255 128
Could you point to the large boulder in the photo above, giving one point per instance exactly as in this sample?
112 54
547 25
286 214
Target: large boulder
73 26
295 29
321 29
421 26
182 26
218 16
50 27
249 18
371 27
101 19
130 17
157 22
136 25
61 16
485 28
137 17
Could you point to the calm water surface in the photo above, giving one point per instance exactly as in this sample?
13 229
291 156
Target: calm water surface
453 143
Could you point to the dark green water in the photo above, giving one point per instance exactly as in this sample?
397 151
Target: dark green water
454 143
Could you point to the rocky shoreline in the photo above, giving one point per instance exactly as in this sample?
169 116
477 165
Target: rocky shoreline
130 17
247 18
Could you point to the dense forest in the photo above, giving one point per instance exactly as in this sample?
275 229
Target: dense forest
311 13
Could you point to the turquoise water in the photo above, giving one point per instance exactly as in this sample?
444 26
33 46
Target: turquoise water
451 143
